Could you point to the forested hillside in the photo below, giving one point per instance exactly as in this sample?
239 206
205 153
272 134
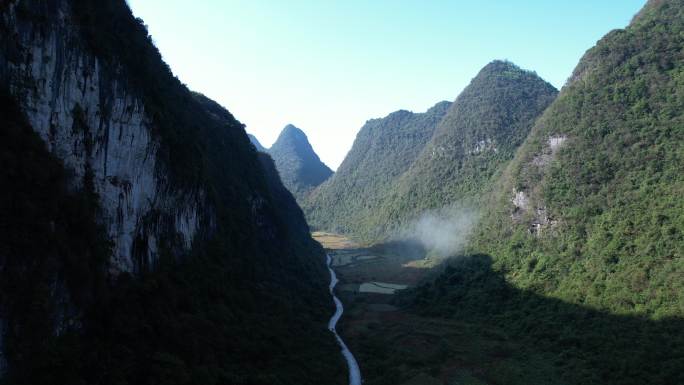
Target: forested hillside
472 144
383 150
300 168
591 209
449 156
578 254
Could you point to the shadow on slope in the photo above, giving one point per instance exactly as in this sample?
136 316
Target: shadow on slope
471 326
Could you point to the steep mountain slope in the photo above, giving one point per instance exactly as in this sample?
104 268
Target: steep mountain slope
593 198
579 251
190 264
382 151
300 168
471 144
256 143
478 136
42 220
223 116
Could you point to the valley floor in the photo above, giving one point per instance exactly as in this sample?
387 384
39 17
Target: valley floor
397 345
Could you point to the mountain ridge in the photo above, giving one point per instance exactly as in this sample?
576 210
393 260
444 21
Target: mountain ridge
202 234
469 143
578 252
591 149
259 147
383 149
300 168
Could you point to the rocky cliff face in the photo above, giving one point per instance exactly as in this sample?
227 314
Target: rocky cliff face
114 167
100 130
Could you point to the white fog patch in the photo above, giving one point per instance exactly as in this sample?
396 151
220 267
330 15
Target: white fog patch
444 231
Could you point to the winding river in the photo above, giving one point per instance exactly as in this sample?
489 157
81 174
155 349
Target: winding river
354 372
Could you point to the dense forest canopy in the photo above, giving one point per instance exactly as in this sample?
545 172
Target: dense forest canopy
383 150
578 253
405 164
601 177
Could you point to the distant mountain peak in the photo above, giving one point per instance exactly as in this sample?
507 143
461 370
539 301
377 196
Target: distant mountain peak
409 162
298 164
501 63
292 132
255 142
504 69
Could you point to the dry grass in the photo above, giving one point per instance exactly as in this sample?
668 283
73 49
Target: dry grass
334 241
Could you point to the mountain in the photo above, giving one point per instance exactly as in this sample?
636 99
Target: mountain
256 143
143 239
478 136
579 251
300 168
594 195
221 114
454 158
382 151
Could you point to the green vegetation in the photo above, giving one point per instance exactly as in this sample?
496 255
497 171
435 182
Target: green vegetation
383 150
249 304
604 223
472 144
574 274
471 324
579 279
300 168
450 155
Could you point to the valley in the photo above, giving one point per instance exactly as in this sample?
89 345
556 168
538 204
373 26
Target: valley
490 332
529 230
397 346
371 314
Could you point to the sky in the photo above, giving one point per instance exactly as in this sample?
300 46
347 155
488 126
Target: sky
329 66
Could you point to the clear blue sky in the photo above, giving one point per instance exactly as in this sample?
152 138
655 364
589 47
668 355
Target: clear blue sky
328 66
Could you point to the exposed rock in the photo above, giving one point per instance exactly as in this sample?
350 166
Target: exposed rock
553 145
541 221
522 206
555 142
90 119
520 200
484 145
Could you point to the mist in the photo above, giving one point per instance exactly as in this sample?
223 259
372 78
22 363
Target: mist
443 232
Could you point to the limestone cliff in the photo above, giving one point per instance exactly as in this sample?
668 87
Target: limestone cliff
99 128
137 218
